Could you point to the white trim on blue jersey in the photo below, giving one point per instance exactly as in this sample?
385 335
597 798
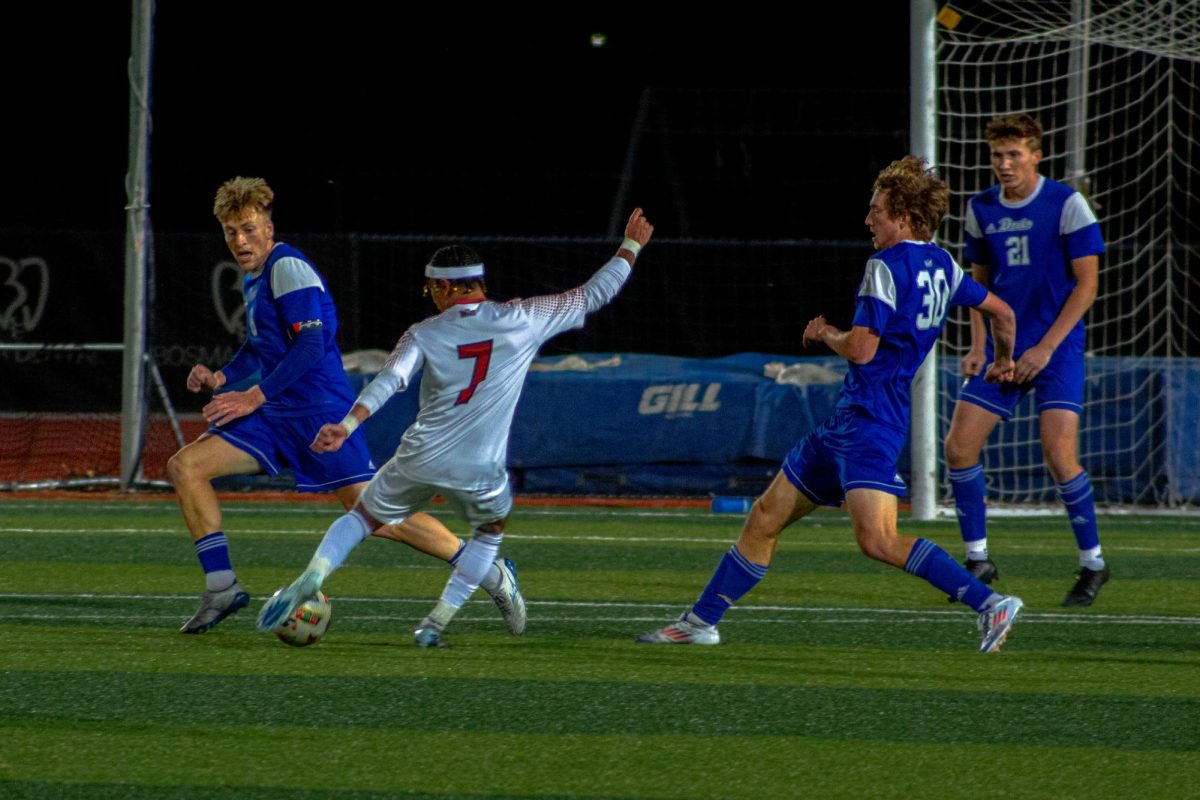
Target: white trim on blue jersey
290 274
878 282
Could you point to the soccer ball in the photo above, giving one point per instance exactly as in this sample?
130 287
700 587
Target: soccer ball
308 622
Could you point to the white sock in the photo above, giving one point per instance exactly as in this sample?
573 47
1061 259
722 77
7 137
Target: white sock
1092 559
977 550
219 581
345 534
491 581
476 561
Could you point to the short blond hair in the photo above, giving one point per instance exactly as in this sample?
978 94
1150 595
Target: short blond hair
914 189
238 194
1022 127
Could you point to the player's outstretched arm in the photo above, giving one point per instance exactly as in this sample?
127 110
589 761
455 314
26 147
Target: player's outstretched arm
1004 335
638 231
333 435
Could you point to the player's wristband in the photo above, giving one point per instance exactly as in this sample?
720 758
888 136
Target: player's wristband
350 423
631 245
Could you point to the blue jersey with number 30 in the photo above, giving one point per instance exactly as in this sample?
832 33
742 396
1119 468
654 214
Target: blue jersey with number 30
905 294
1028 247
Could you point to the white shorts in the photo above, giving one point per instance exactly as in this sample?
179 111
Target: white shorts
393 496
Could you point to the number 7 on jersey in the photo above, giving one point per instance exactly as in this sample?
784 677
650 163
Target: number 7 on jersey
482 353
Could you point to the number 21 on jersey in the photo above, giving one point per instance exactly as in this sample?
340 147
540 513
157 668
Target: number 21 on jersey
1018 251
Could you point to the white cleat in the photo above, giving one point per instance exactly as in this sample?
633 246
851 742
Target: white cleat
508 597
681 631
995 622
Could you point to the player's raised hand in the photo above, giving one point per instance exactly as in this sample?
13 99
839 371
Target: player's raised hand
201 377
638 228
330 438
814 330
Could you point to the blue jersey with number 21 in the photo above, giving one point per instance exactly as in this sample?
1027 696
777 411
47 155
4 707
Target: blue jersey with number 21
905 294
1028 246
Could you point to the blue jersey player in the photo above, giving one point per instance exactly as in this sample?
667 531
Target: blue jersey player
291 348
907 288
1035 242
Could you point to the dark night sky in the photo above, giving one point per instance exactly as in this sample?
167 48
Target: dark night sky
452 122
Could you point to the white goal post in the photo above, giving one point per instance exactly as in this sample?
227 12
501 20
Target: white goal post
1116 84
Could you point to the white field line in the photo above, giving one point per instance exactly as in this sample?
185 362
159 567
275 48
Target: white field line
636 611
801 537
943 512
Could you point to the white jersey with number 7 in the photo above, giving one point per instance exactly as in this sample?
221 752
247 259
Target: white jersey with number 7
475 357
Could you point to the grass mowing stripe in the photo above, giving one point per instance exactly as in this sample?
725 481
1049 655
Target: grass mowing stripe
580 766
435 704
576 651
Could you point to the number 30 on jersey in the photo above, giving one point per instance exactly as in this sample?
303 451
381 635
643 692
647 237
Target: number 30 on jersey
934 300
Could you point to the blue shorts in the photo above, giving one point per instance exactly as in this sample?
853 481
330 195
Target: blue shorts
847 451
1059 385
280 442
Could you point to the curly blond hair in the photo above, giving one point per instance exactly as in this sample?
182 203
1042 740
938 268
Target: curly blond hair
238 194
914 189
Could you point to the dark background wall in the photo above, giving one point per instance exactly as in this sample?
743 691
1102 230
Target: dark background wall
751 141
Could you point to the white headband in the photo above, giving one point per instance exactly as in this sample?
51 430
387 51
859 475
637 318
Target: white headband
454 273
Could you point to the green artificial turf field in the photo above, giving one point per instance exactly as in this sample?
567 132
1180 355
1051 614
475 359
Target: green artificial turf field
836 677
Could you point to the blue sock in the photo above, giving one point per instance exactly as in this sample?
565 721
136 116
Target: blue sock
927 560
213 551
1076 495
734 576
970 504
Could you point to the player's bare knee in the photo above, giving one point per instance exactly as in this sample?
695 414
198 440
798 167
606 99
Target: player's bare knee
181 468
875 542
763 522
493 527
959 453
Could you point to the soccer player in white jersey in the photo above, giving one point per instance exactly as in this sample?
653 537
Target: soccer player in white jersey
908 285
475 354
1036 243
291 342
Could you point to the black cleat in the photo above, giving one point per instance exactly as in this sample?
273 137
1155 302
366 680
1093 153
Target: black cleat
984 570
1087 586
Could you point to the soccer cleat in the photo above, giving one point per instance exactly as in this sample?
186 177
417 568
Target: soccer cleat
508 597
984 570
216 606
284 603
428 634
1087 586
995 622
681 632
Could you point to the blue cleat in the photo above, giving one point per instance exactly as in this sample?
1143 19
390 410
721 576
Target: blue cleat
285 601
428 635
995 622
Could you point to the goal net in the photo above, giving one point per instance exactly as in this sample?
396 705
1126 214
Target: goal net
1117 87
